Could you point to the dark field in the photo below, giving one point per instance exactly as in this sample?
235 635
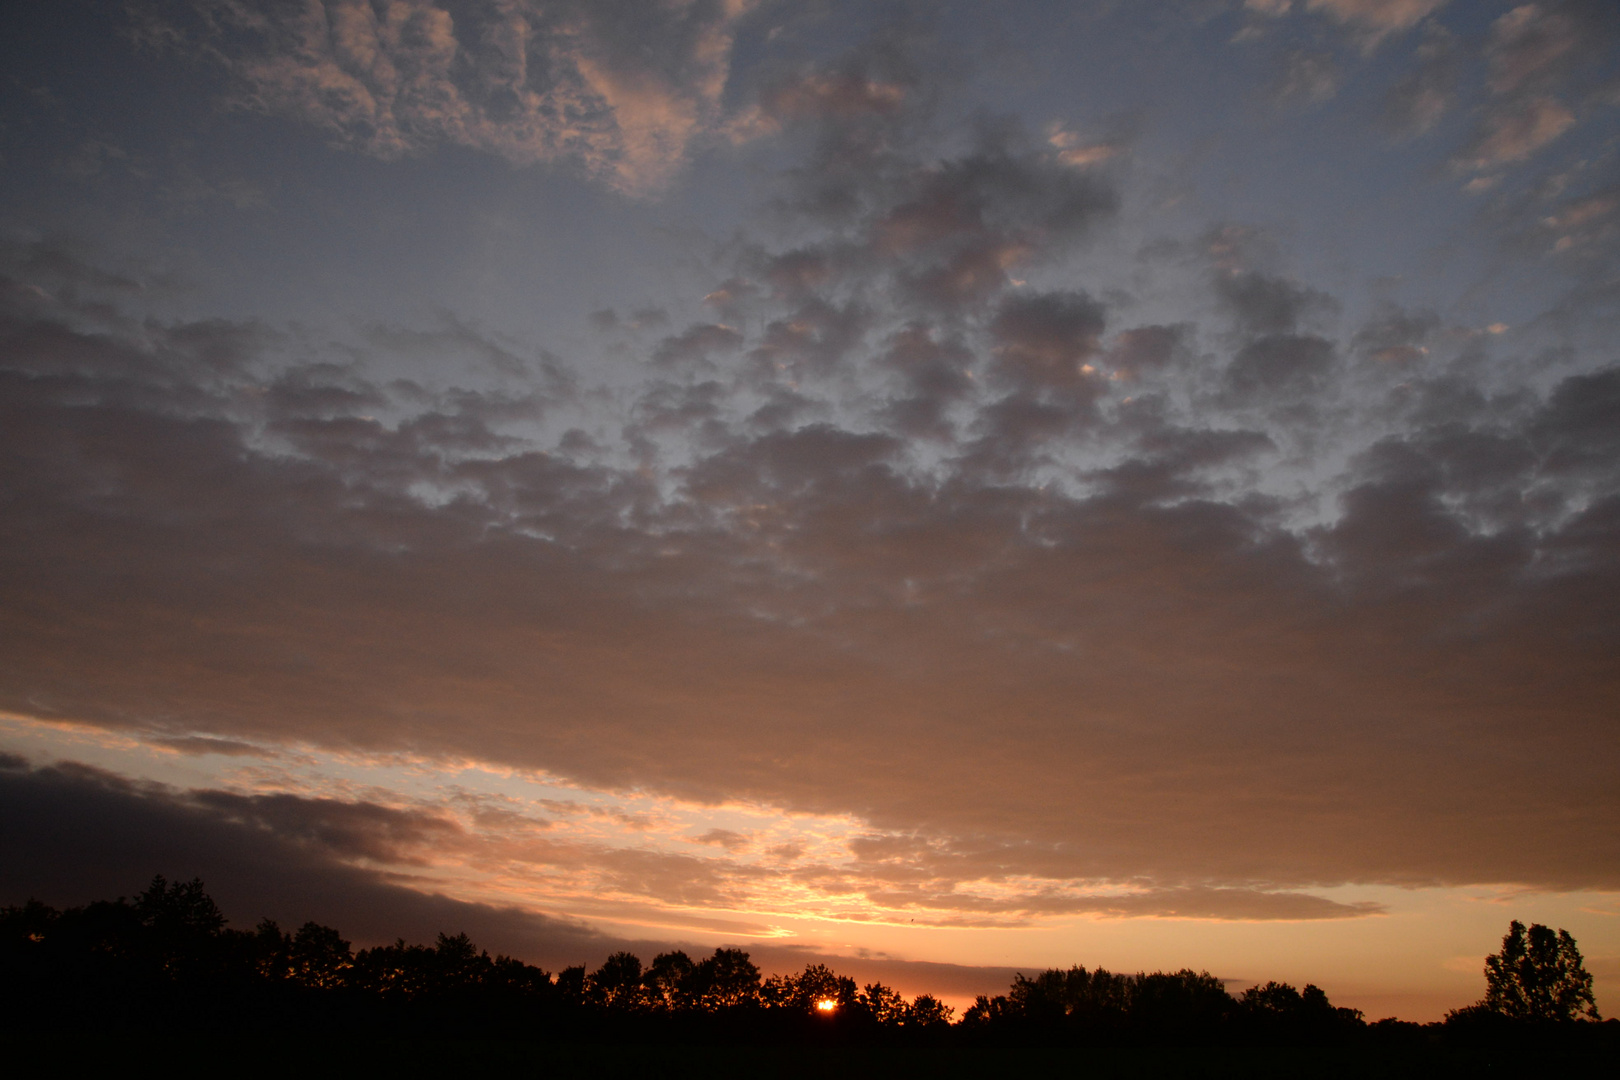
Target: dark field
178 1055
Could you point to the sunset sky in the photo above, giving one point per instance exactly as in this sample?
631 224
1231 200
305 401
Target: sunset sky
942 488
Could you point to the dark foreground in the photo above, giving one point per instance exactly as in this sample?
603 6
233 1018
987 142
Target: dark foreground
161 983
179 1056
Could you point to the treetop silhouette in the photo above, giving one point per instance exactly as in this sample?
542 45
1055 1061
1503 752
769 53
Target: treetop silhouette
168 959
1538 976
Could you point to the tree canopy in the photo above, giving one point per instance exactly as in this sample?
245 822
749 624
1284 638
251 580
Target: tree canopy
1538 976
168 958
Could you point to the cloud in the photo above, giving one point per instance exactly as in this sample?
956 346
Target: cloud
1280 365
1263 304
1148 348
1377 17
726 838
1540 58
1307 78
693 346
200 744
1527 43
1371 21
74 834
348 830
622 91
1396 336
1044 340
1253 618
1419 99
1513 134
1181 903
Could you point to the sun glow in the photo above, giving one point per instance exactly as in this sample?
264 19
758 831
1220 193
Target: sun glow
826 1006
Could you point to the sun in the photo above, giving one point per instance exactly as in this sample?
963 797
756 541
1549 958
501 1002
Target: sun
826 1006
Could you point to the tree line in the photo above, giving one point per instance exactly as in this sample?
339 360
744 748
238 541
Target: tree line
168 959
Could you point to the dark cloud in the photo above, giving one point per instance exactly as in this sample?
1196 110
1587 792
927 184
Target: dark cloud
1263 304
693 347
811 342
349 830
1396 336
965 224
933 373
1279 365
726 838
942 234
1044 340
72 834
1145 349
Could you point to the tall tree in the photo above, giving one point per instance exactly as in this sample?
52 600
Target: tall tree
1538 975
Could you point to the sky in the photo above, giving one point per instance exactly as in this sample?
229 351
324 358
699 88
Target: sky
941 488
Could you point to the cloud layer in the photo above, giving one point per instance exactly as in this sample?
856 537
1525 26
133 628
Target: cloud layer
1022 559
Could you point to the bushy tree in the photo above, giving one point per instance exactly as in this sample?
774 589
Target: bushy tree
882 1004
617 983
319 957
726 980
1538 975
668 980
816 984
927 1011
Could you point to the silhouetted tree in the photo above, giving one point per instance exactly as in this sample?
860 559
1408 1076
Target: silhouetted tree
927 1011
180 912
882 1004
319 958
272 951
1538 975
806 992
617 983
726 980
571 985
668 981
988 1012
1181 1005
181 922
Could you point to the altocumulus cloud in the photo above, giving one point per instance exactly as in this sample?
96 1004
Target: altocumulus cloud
1076 611
619 89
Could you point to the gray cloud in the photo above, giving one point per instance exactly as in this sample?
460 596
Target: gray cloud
1285 365
1044 340
1263 304
692 347
72 834
1419 99
1307 78
1396 336
346 829
1139 676
1251 608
